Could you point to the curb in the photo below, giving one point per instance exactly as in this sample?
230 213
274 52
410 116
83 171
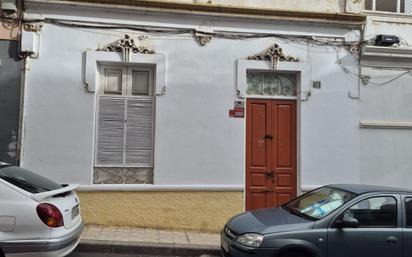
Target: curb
118 247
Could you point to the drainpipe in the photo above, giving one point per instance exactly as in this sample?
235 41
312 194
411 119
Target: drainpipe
22 110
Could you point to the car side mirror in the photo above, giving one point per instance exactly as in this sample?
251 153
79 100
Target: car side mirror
347 222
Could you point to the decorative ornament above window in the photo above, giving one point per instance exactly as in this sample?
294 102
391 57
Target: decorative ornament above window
126 45
274 54
32 27
202 39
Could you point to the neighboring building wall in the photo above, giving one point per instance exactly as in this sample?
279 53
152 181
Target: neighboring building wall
10 72
9 29
386 101
196 143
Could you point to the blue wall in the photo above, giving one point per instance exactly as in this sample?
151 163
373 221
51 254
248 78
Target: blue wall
10 71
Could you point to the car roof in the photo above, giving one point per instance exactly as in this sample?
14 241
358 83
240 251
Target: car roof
364 189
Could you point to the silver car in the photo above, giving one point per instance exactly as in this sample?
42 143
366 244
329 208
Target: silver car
332 221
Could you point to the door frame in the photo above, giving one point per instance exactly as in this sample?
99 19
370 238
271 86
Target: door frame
297 131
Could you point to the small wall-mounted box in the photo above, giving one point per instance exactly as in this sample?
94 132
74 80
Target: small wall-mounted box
317 84
29 43
8 5
386 40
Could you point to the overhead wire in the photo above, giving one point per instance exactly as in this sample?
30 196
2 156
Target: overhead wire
321 40
161 31
389 81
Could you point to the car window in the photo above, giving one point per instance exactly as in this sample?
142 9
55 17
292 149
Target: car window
408 209
374 212
319 203
27 180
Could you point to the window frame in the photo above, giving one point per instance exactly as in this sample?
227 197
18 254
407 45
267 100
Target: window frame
150 70
104 80
405 221
269 71
398 8
127 79
355 201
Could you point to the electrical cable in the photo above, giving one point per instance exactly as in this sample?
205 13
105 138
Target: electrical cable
389 81
176 31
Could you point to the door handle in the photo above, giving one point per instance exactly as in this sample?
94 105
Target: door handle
270 173
267 190
270 137
391 240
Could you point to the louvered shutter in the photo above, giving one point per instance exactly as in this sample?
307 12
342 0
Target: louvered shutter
139 131
111 130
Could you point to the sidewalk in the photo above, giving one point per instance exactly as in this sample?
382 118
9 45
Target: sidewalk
99 239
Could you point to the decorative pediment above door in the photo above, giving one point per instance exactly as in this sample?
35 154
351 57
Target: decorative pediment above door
274 54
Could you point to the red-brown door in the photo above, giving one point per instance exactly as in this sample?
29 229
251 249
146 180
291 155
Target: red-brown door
270 152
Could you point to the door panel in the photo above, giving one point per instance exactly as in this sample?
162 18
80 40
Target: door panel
259 155
284 114
284 135
260 124
364 242
270 152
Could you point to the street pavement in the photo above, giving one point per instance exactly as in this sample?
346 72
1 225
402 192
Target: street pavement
137 242
154 236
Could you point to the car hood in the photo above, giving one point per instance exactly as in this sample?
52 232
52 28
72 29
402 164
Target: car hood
266 221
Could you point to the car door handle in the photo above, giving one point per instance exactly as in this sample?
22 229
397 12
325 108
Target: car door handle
391 239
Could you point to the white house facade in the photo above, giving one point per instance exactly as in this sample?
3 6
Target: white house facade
180 115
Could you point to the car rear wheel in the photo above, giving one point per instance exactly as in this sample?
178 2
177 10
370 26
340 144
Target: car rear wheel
1 253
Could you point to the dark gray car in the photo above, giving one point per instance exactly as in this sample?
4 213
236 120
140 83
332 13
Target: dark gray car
331 221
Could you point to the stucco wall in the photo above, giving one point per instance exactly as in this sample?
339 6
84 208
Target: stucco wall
202 211
196 143
9 31
9 28
386 153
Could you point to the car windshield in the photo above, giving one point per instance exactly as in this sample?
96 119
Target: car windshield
27 180
319 203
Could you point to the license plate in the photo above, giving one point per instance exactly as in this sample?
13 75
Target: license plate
225 245
75 211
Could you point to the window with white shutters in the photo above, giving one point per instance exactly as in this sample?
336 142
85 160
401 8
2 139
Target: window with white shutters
125 113
394 6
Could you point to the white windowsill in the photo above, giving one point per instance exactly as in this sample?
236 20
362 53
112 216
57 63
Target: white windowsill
385 125
389 17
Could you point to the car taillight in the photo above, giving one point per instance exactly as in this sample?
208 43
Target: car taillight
50 215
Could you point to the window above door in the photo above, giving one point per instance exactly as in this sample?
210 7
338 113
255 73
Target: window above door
270 83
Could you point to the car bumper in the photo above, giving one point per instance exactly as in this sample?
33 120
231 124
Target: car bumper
230 248
44 247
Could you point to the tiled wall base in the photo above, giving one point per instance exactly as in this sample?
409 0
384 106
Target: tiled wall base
123 176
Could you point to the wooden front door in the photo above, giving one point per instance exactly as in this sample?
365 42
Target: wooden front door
270 152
